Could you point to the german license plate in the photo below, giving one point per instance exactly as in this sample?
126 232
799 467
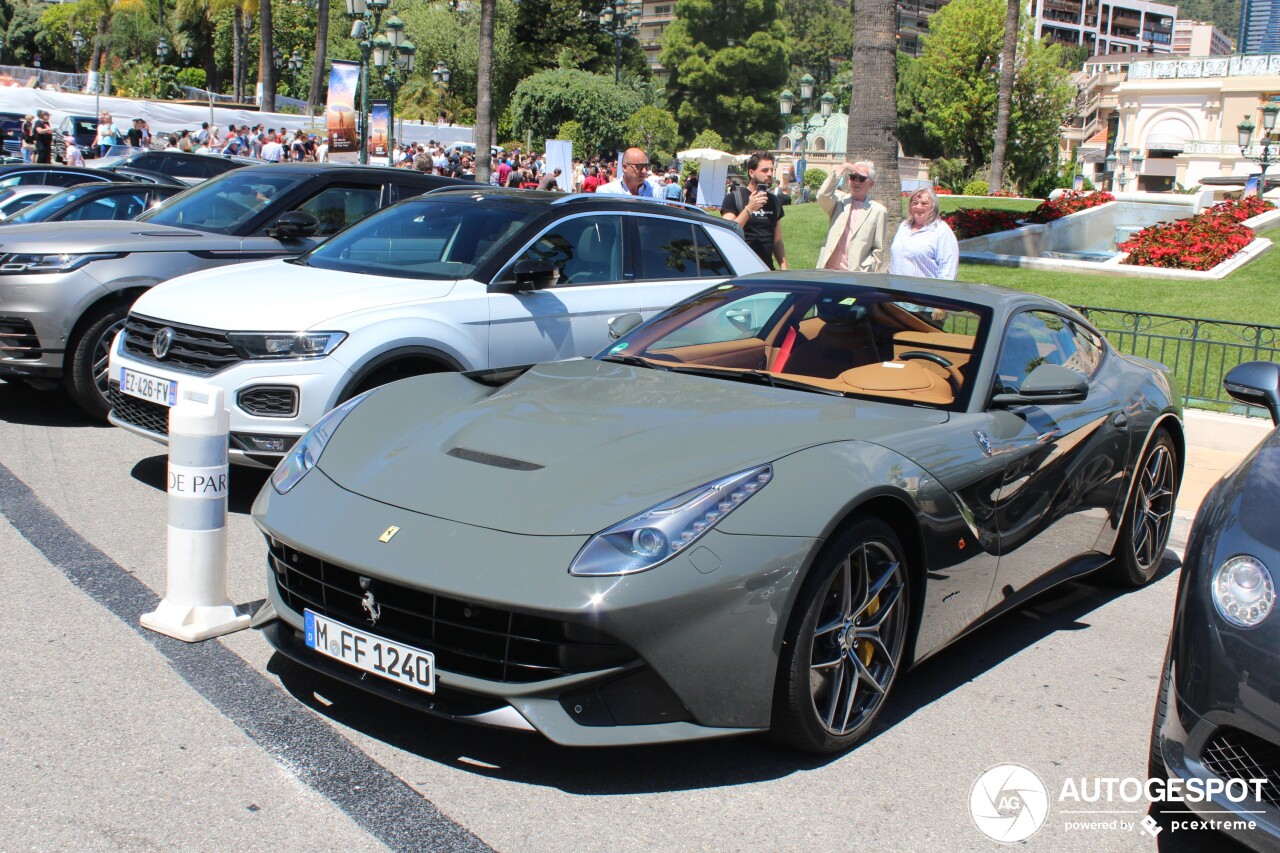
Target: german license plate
371 653
144 387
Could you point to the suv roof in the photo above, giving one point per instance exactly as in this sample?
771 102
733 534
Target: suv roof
590 201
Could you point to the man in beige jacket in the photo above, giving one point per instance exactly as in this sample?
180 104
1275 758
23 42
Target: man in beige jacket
855 240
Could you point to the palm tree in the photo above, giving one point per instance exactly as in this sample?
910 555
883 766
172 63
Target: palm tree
266 61
873 123
102 11
1008 57
319 58
484 90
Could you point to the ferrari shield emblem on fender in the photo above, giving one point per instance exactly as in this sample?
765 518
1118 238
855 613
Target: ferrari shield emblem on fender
388 533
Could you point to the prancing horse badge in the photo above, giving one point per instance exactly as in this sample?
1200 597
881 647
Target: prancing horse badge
388 533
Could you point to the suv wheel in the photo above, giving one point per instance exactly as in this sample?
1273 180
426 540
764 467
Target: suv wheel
86 374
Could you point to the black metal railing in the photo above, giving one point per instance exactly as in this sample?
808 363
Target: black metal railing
1200 351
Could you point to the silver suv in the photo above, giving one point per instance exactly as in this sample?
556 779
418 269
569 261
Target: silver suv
64 292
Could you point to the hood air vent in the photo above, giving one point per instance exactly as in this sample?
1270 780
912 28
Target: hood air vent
490 459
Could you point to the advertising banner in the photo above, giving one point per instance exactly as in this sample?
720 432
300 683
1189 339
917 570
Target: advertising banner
379 119
340 115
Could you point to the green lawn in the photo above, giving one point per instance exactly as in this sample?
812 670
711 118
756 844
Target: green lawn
1244 296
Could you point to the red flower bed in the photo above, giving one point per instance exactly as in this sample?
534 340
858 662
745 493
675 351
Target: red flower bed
1199 243
1241 209
941 191
974 222
1004 194
1068 203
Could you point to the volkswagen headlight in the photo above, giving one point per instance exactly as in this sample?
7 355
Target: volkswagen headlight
17 262
304 455
285 344
655 535
1243 591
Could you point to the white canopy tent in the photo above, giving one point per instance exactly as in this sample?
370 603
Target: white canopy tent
713 170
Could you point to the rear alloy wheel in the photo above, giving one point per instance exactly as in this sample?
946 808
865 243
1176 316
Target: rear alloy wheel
842 656
87 371
1148 519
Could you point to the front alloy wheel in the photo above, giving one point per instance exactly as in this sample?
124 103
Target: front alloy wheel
90 354
1149 519
842 657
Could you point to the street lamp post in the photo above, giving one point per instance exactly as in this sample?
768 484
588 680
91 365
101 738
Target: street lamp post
187 54
366 17
440 75
394 52
786 101
620 20
1264 158
295 65
162 50
78 43
1123 153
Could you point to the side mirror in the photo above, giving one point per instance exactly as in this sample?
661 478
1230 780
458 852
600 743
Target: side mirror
294 225
535 275
1048 383
620 325
1256 383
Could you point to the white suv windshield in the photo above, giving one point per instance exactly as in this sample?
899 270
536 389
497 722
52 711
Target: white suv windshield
425 238
225 203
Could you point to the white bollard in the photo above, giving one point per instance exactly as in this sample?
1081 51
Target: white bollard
195 606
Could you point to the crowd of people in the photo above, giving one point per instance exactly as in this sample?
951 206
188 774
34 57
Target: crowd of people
923 245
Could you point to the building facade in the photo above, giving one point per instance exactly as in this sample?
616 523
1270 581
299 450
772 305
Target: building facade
1180 114
1194 38
1259 26
1131 26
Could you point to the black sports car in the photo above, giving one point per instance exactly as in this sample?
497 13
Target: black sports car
1218 713
749 513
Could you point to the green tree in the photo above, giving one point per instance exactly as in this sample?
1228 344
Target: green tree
708 139
545 101
20 37
727 60
819 35
961 61
915 139
654 130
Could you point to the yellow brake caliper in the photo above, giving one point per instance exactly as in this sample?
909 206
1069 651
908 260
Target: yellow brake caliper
864 649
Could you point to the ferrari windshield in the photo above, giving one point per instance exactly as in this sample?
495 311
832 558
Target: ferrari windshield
820 335
223 204
429 238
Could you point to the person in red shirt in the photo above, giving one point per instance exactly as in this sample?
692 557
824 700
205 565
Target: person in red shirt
592 181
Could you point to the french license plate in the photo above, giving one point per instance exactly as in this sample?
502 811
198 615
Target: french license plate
371 653
144 387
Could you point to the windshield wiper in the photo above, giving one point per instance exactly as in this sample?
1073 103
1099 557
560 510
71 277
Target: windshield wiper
761 376
634 361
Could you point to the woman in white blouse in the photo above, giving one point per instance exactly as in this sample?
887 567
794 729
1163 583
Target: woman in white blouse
924 245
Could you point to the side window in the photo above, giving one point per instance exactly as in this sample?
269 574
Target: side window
666 249
587 250
1034 338
1088 350
110 207
67 179
337 206
710 261
184 167
155 162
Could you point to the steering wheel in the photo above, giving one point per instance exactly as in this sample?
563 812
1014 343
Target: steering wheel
953 372
927 356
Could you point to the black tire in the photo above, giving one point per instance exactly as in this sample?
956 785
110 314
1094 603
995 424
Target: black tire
845 642
1155 761
86 370
1148 519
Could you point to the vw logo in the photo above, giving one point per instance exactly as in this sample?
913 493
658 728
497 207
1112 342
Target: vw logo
163 340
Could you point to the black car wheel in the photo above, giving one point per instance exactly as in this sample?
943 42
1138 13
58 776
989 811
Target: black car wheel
87 371
842 655
1144 531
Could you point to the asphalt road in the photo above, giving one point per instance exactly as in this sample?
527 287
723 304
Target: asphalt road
116 738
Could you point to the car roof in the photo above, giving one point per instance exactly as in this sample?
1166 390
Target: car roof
1002 300
387 172
48 167
587 202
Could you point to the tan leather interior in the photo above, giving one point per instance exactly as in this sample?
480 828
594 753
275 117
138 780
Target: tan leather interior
748 354
957 349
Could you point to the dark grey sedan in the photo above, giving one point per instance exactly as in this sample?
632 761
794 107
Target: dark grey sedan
1217 717
749 514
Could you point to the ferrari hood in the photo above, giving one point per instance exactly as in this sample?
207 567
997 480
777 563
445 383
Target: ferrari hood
573 447
276 295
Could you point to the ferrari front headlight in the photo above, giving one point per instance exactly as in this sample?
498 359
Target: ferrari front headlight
304 455
655 535
1243 591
